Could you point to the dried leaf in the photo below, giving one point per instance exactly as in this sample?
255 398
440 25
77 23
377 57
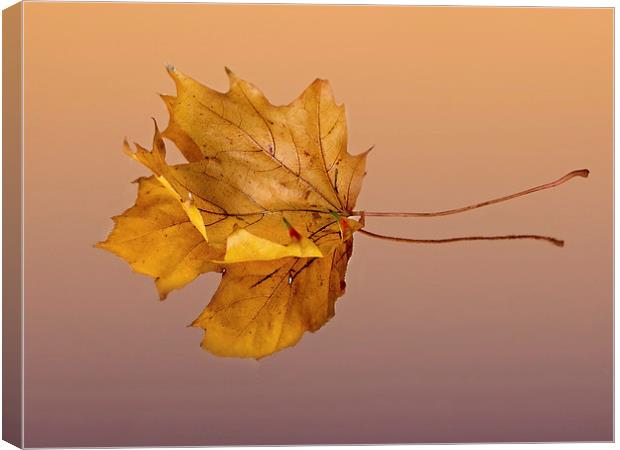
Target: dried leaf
244 246
157 238
262 307
264 198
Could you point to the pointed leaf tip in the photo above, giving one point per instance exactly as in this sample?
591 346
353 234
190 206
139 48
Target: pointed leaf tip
128 150
232 77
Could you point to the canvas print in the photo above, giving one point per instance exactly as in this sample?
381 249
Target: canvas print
433 261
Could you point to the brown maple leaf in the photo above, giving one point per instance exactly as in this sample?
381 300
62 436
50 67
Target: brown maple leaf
267 198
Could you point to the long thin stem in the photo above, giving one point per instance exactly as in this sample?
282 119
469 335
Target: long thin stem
575 173
554 241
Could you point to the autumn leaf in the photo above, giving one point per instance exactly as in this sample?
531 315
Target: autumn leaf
157 238
261 306
242 245
266 198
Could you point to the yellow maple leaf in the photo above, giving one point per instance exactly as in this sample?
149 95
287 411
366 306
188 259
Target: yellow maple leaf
264 306
157 238
265 196
242 246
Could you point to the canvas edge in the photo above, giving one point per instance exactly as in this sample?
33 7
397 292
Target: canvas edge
12 273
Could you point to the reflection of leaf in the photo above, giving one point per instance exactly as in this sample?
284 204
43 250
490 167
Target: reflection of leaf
268 187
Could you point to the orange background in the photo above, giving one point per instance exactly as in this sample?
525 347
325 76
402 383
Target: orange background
481 341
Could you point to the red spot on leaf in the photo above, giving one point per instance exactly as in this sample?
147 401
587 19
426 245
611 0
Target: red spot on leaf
294 234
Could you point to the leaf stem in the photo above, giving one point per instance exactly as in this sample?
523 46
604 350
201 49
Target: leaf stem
554 241
575 173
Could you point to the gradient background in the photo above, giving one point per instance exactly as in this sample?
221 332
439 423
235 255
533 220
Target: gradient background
483 341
